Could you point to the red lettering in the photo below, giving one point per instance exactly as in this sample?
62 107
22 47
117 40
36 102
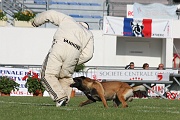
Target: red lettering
130 13
172 95
17 92
29 93
160 76
127 33
160 88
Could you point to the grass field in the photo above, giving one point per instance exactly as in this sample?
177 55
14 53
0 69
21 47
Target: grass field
43 108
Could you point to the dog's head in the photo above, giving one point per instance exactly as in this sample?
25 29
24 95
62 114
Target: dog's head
81 83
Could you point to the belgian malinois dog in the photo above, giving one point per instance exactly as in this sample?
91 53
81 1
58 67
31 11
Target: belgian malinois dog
117 91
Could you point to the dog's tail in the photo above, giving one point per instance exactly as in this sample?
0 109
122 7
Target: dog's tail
128 95
139 88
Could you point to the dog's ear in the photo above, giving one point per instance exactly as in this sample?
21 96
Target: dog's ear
79 78
83 77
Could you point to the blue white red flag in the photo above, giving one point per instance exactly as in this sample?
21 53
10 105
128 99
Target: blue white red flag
157 28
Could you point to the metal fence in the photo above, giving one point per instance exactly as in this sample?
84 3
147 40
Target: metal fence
92 13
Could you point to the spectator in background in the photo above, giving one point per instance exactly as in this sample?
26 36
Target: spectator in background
146 66
130 66
143 91
161 67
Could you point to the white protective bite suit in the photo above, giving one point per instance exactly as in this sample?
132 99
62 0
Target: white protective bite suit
73 44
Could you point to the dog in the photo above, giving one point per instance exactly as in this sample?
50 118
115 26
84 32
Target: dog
117 91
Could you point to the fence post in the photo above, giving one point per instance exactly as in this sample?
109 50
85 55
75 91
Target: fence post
47 5
23 5
1 4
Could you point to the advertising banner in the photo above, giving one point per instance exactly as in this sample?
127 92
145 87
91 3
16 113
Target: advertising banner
150 28
142 75
17 74
157 75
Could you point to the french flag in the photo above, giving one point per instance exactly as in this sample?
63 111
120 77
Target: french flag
129 29
149 28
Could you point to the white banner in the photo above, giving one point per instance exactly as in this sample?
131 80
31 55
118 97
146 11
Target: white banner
160 75
17 74
156 28
157 75
143 75
129 11
154 11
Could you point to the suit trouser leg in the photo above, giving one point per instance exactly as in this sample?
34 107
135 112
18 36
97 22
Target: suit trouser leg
50 70
65 83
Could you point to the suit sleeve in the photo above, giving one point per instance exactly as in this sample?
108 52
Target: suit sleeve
48 16
87 52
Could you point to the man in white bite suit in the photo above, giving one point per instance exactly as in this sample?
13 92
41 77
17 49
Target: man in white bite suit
73 44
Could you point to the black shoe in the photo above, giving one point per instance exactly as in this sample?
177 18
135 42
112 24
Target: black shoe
61 102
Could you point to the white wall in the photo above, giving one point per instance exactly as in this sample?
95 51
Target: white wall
24 45
176 29
103 49
30 46
139 51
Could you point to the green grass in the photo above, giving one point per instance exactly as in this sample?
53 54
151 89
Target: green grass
43 108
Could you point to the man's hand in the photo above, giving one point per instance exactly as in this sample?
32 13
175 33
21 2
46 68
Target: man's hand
34 25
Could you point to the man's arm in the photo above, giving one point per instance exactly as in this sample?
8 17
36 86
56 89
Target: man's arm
49 16
87 52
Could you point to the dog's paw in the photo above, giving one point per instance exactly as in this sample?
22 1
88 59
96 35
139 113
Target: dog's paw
125 106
